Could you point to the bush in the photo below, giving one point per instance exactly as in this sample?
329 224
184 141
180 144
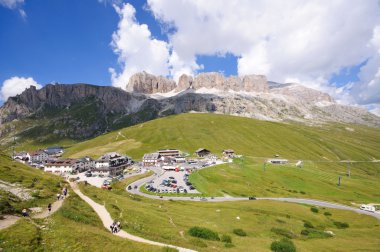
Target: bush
307 224
239 232
204 233
229 245
305 232
314 209
327 214
284 245
283 232
341 225
198 243
226 239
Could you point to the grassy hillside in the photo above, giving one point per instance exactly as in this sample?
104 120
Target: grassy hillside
189 132
246 177
263 222
41 186
75 227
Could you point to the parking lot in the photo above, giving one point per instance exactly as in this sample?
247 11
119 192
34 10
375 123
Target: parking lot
170 181
97 181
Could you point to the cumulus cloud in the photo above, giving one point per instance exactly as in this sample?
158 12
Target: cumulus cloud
136 49
303 41
16 85
11 4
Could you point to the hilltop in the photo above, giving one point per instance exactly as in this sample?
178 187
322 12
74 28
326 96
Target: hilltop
251 137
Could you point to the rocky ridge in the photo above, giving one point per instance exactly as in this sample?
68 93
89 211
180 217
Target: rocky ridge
81 111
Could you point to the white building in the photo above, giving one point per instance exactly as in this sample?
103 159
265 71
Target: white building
112 163
62 166
38 156
277 161
151 159
23 157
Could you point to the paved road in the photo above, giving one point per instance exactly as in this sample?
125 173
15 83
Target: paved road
320 203
107 222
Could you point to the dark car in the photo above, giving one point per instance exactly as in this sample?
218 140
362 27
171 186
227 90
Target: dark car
129 187
135 187
192 187
252 198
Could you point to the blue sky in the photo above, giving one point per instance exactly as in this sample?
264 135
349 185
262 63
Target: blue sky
70 41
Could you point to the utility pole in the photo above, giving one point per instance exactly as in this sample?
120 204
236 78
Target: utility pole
339 178
349 169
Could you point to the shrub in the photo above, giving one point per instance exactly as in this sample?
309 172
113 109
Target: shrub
283 232
284 245
229 245
198 243
341 225
305 232
327 214
307 224
226 239
204 233
239 232
314 209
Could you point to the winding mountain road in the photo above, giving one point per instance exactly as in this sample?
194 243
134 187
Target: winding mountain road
157 172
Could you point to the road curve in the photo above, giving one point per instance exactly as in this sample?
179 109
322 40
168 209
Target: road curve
320 203
107 222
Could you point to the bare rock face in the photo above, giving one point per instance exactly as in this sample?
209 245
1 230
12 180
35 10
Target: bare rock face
184 82
146 83
248 83
302 93
255 83
209 80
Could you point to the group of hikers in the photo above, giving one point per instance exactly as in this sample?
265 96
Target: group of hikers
49 207
115 227
63 194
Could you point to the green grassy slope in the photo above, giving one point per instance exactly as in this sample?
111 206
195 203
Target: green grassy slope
42 186
75 227
169 222
246 136
313 180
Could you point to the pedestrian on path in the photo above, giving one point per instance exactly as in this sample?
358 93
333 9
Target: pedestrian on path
25 213
49 207
58 196
65 191
118 226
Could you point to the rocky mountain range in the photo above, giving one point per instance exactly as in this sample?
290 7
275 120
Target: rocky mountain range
80 111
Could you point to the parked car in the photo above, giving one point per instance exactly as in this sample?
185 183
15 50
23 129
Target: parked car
203 199
129 187
101 176
252 198
107 187
135 187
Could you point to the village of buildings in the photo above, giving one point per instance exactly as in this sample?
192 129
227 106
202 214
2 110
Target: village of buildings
171 165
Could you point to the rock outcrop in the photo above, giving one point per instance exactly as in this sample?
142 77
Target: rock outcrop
185 81
146 83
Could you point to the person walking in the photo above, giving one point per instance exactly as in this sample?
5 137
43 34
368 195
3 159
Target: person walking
58 196
118 226
65 191
25 213
49 208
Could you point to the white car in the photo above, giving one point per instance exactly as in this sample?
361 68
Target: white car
368 208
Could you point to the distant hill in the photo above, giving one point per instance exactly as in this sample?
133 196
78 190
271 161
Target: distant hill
191 131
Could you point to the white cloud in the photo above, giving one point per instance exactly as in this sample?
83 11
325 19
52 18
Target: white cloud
16 85
306 41
136 48
11 4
